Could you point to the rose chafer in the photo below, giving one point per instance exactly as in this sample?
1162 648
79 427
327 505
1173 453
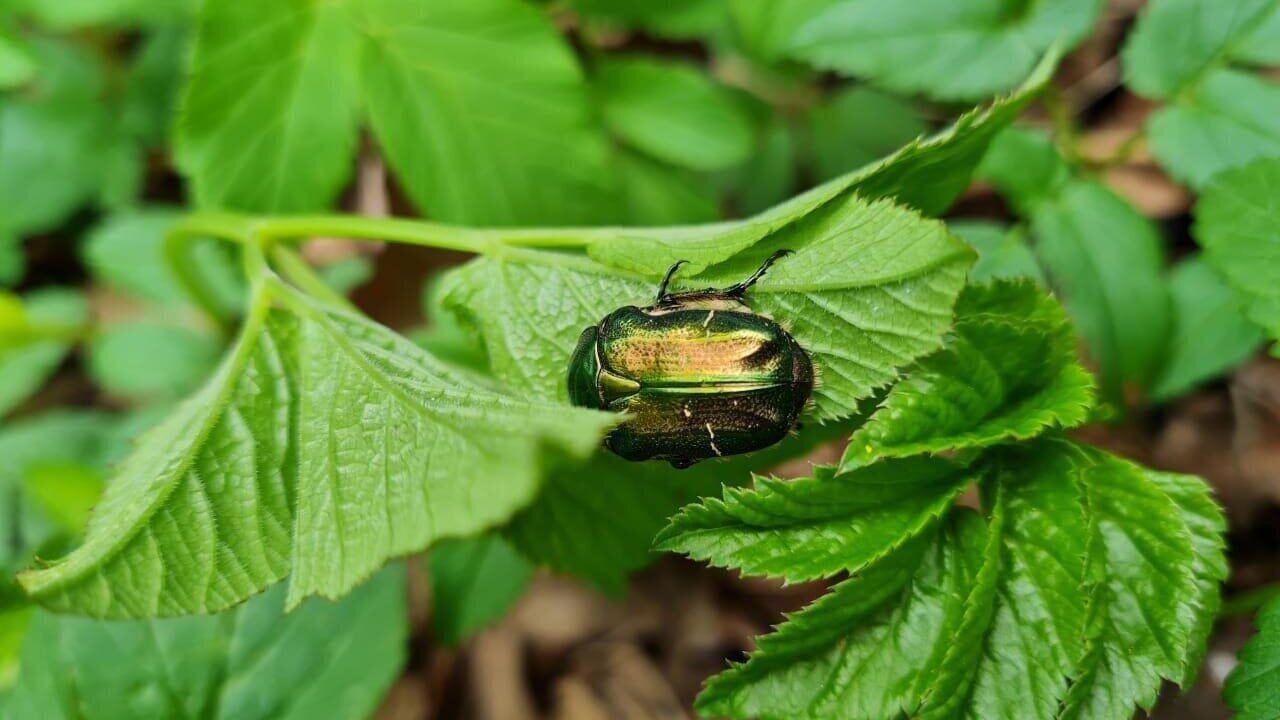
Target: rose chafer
699 374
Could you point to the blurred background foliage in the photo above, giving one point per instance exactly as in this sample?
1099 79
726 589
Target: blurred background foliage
115 114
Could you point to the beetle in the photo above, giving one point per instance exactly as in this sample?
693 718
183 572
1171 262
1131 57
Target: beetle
699 374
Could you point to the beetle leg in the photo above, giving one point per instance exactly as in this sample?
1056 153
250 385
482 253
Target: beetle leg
666 279
743 286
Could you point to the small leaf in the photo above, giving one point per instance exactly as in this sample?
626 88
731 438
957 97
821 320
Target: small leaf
474 582
927 175
945 50
857 126
1175 42
127 252
1236 225
1211 334
1182 51
331 660
148 360
657 194
1253 687
1003 252
426 454
818 526
483 112
895 616
31 352
1106 261
674 112
1026 167
1009 371
770 176
268 119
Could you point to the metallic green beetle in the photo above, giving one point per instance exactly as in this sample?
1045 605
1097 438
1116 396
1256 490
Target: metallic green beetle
699 373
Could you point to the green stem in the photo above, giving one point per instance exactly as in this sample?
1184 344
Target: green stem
1247 602
177 253
293 267
429 234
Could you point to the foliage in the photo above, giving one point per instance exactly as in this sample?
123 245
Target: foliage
1251 685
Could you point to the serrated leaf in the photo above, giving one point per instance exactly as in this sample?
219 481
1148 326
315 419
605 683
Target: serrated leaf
1218 117
1095 580
927 175
422 452
1008 371
1106 261
1003 251
1235 223
869 287
332 660
474 582
817 526
883 623
674 112
149 360
857 126
31 352
268 117
1211 334
1157 568
510 134
945 50
1253 687
597 521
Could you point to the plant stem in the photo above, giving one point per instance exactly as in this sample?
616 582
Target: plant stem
1247 602
430 234
293 267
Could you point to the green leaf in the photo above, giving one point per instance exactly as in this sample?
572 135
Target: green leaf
1259 45
75 14
857 126
1095 580
657 194
765 28
1211 334
869 287
268 119
1231 119
50 140
331 660
422 451
1025 167
347 274
64 492
945 50
13 261
1252 687
153 85
1175 42
674 112
149 360
1003 252
678 19
17 63
1155 575
597 522
883 623
474 582
127 253
483 113
770 176
1182 51
1008 371
817 526
1235 223
1106 261
53 317
927 175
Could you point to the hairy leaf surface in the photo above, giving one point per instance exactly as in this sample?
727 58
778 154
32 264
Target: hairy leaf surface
394 450
1253 688
1008 371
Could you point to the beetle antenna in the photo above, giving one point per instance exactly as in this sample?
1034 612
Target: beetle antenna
666 280
742 287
